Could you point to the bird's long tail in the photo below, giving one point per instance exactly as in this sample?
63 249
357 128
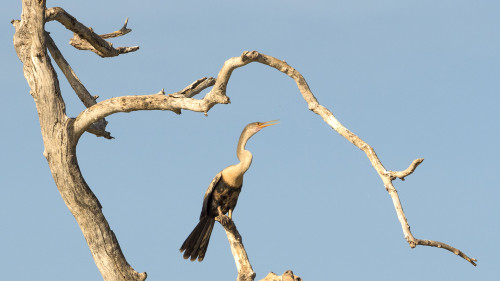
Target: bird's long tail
196 244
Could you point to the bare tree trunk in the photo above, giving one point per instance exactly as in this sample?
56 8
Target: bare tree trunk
60 145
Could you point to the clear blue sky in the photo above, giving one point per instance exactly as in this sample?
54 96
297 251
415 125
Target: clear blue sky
412 78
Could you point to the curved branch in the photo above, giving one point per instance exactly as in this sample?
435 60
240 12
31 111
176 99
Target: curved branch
402 174
446 247
159 101
313 104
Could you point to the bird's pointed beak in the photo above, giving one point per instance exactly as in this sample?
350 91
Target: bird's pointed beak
268 123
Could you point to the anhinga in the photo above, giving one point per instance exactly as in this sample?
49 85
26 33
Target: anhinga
221 196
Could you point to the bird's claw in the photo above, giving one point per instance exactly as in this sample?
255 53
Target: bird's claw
223 219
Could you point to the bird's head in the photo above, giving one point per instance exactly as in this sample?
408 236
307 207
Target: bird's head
252 128
257 126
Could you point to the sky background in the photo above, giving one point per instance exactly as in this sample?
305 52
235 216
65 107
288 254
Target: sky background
411 78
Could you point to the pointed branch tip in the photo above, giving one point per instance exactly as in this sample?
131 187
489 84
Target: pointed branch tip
442 245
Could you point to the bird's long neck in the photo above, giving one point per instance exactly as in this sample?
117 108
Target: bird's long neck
233 175
243 155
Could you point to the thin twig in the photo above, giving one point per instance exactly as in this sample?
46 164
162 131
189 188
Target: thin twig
122 31
446 247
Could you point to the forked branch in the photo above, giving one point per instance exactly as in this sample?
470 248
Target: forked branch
85 38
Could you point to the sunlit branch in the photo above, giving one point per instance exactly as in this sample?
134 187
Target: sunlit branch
85 38
159 101
245 271
313 104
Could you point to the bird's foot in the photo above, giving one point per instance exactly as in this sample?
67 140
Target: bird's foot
223 219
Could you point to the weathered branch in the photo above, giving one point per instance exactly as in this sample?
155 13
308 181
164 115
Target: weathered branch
437 244
313 104
30 42
122 31
80 90
99 127
194 88
402 174
158 101
85 38
245 270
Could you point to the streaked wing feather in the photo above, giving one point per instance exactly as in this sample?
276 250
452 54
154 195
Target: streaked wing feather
208 194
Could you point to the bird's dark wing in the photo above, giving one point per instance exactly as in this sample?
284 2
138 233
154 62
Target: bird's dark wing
208 194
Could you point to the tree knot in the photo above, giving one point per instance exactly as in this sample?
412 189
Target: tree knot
249 55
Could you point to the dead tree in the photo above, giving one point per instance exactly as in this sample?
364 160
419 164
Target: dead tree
61 133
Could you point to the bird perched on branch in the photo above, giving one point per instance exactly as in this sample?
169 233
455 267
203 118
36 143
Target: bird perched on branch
221 196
